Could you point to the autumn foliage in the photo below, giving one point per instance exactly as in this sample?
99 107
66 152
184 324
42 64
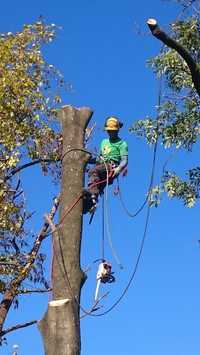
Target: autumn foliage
29 133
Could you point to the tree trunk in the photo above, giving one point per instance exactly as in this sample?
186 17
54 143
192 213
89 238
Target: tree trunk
60 326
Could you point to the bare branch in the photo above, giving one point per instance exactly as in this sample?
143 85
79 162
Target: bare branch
26 291
14 285
8 263
17 326
89 132
170 42
51 224
27 165
95 306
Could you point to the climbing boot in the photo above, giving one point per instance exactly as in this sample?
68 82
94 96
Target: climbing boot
93 203
89 202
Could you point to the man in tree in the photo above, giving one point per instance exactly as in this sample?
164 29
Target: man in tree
112 160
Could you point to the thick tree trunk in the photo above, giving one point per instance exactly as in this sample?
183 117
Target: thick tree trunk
60 326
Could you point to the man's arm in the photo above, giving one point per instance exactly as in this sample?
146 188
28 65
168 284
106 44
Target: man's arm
124 159
123 163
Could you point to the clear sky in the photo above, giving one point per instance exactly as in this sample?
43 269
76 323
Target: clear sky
101 53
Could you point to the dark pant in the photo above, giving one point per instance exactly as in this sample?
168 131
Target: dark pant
98 178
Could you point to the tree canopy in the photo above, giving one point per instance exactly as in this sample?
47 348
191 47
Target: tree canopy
29 134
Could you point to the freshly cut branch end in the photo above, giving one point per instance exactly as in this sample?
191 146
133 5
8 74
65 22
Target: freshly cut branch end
151 22
58 302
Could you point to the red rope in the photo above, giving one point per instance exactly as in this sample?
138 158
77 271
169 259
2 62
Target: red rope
101 181
74 203
68 210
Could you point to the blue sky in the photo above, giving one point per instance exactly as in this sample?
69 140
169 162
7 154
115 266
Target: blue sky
101 54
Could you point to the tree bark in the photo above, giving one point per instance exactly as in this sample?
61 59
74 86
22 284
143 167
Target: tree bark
60 326
170 42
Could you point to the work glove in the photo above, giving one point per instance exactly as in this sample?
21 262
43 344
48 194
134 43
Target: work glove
116 172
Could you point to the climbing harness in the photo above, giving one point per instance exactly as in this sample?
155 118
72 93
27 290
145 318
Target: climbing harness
91 201
91 198
71 207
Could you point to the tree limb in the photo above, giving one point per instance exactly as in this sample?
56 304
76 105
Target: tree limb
27 165
170 42
95 306
18 326
12 291
39 290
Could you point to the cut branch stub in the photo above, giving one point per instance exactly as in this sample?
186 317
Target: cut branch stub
151 22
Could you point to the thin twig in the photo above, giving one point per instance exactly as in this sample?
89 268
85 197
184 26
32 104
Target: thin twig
22 292
94 307
51 224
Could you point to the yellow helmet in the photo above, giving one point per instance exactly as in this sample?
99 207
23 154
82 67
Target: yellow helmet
112 124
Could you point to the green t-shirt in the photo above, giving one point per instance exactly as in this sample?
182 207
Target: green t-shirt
113 150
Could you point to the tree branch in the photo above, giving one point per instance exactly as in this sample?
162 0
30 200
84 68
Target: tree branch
170 42
95 306
10 293
27 165
8 263
39 290
18 326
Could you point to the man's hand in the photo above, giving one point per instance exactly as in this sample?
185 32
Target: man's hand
116 172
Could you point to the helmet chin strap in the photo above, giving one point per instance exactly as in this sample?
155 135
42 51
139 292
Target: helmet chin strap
113 135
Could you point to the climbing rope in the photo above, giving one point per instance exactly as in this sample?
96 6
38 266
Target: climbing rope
132 215
145 227
138 257
74 203
103 232
66 212
140 249
89 313
109 237
136 264
66 277
105 218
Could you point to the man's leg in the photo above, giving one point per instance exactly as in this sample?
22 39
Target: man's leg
96 181
95 186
